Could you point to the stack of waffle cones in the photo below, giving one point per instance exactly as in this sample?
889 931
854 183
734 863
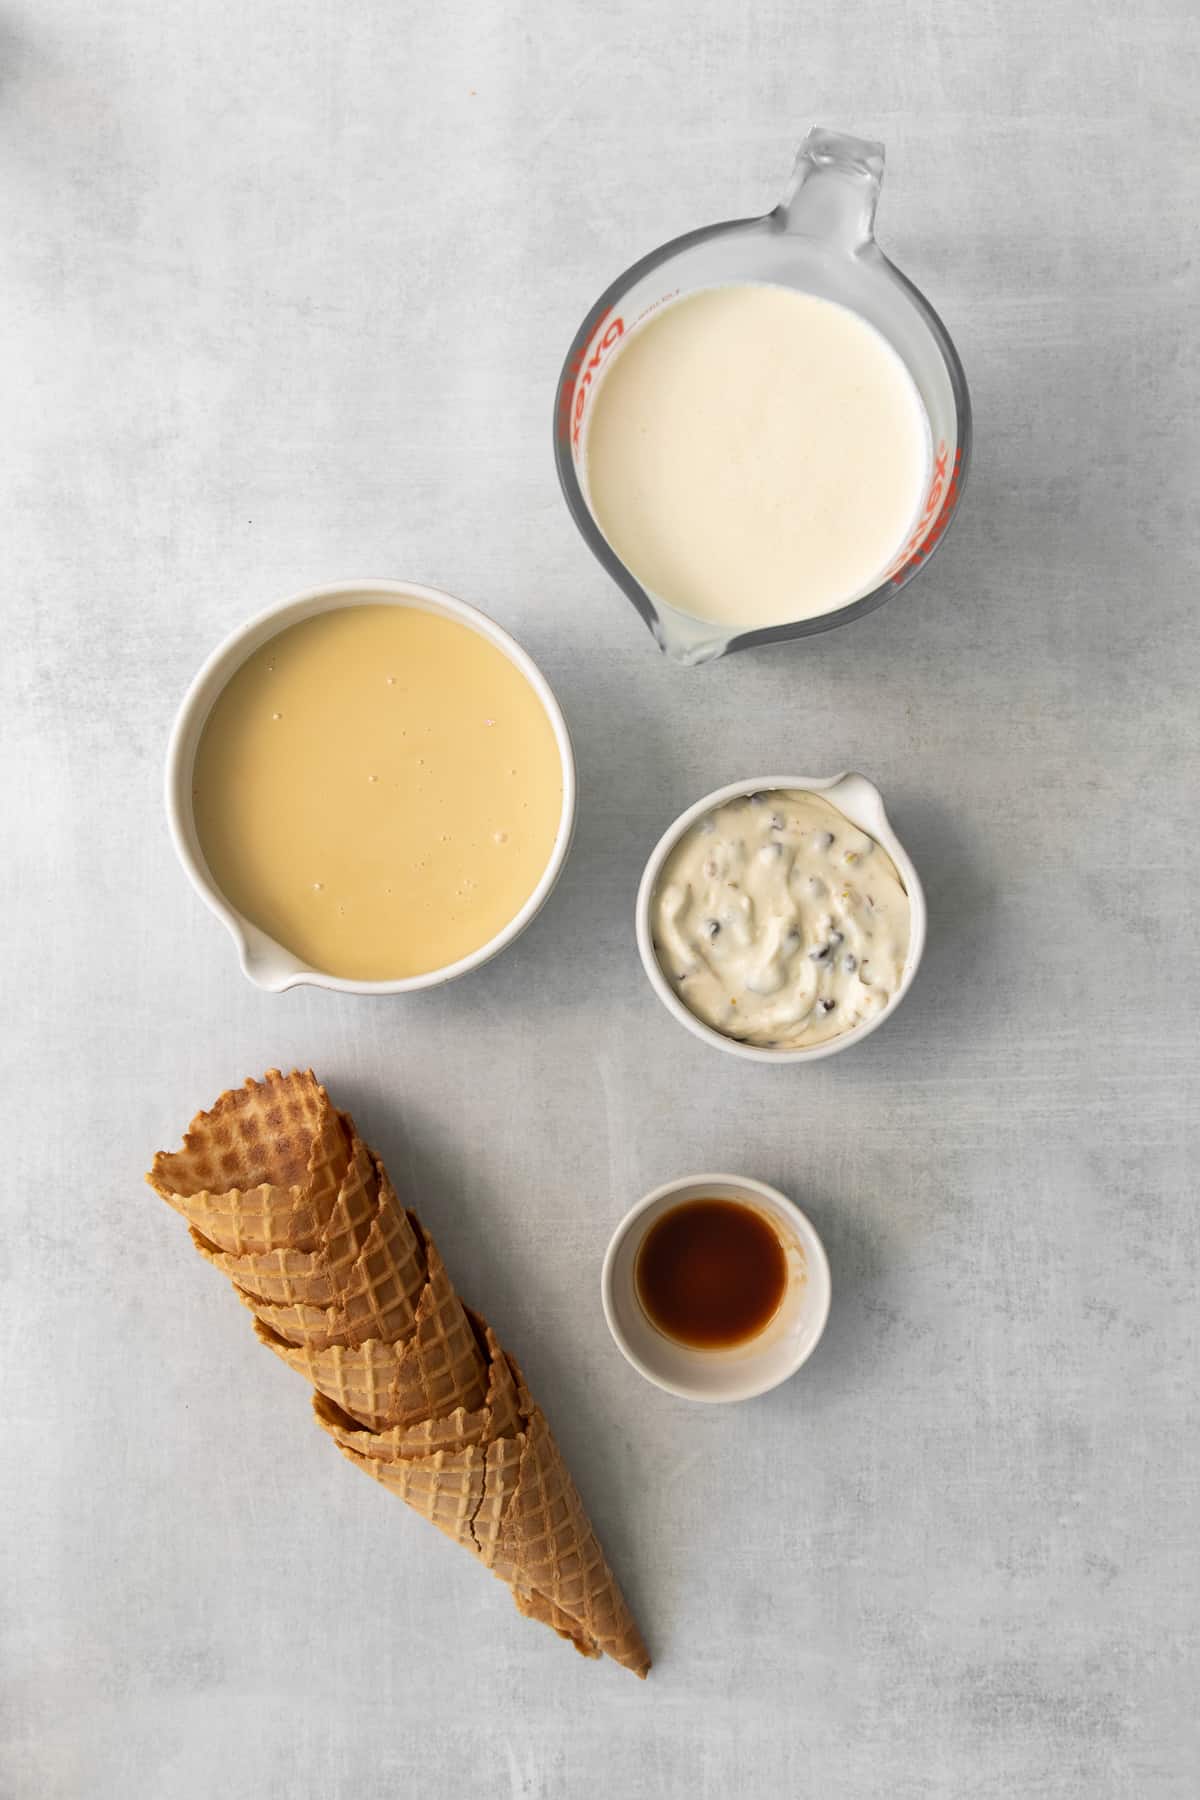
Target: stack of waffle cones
345 1286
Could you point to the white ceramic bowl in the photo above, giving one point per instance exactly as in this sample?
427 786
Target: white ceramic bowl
264 961
750 1368
862 803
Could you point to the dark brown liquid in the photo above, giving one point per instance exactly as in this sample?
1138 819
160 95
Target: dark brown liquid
711 1273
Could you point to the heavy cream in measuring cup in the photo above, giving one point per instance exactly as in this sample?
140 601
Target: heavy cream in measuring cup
756 456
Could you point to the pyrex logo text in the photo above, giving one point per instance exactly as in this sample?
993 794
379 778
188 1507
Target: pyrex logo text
580 377
934 514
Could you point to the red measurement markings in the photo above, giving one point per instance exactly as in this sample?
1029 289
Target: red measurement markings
935 516
581 373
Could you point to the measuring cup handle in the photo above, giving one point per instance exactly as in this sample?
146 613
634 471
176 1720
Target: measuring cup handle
834 190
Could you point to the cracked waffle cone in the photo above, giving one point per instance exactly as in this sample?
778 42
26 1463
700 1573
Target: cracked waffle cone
548 1552
413 1389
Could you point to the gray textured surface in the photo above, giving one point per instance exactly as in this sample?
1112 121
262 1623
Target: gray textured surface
285 288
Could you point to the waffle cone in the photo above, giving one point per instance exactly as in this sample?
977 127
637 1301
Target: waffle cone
387 1255
500 1416
262 1169
437 1368
413 1388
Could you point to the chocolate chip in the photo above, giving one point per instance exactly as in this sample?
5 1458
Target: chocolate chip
712 927
819 955
849 963
826 1006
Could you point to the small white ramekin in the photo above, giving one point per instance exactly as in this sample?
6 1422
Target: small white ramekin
748 1369
265 962
862 803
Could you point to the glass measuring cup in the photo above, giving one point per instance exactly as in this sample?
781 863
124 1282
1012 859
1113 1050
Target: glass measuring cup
820 240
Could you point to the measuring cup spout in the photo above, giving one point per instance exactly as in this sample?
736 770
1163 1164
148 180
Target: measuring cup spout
834 190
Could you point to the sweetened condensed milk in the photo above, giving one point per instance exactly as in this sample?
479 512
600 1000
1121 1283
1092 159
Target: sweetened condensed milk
379 789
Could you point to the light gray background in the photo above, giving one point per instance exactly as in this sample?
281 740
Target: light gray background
285 291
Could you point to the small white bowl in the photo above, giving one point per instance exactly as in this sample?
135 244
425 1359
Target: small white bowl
862 803
264 961
750 1368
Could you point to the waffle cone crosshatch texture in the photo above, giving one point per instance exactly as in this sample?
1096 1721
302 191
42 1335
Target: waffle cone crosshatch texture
283 1198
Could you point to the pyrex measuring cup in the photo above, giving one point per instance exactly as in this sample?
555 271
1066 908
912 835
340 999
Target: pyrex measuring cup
819 239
